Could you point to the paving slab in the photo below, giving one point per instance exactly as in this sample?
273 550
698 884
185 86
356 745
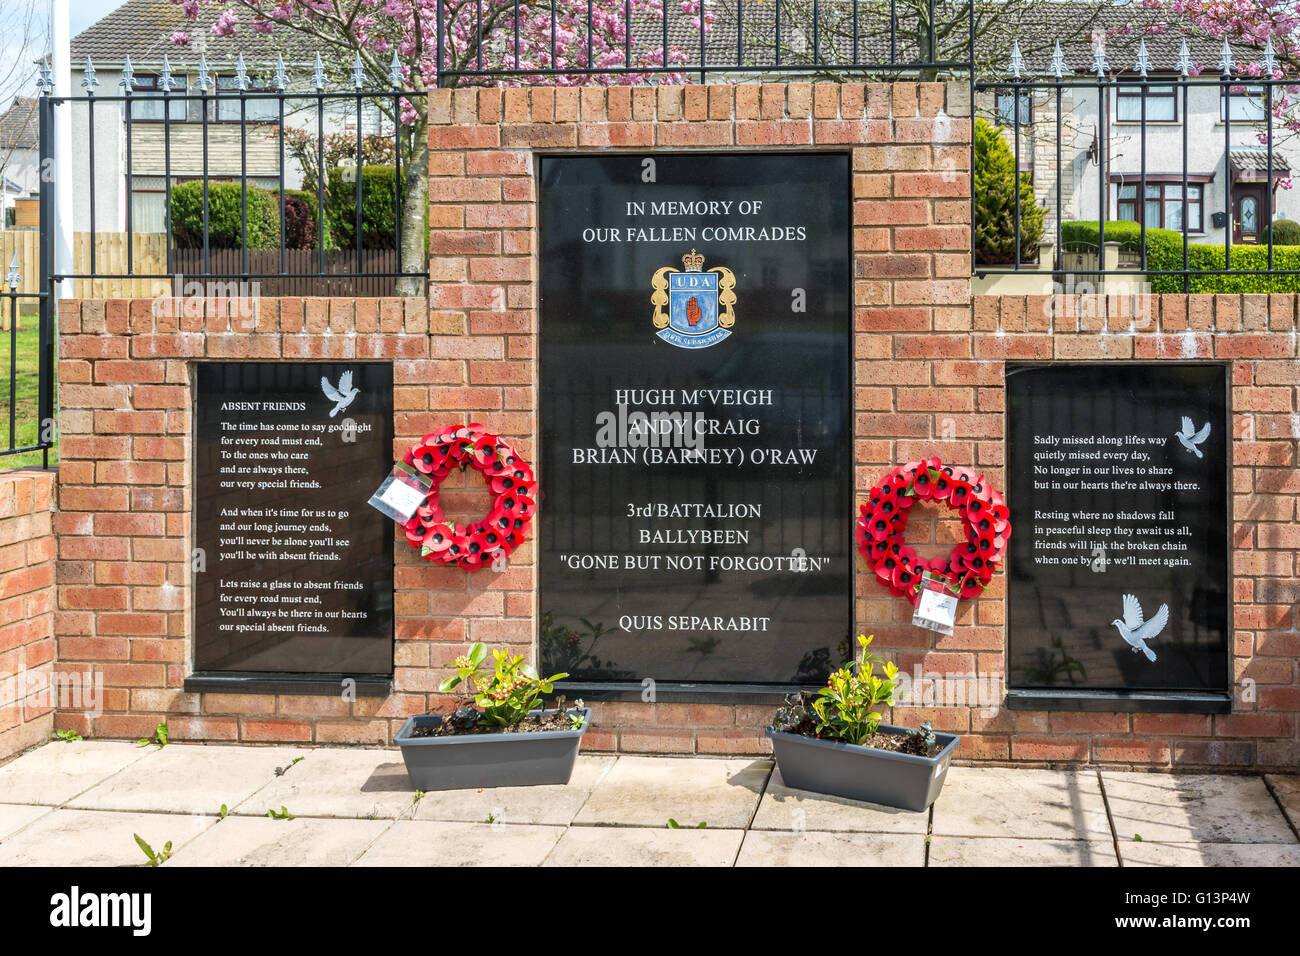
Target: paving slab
189 778
784 808
648 791
98 837
552 805
261 841
433 843
820 848
57 772
13 817
1025 804
645 846
332 782
1286 787
1207 854
1005 851
1194 808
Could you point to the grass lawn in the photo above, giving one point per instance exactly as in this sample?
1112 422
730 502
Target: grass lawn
26 424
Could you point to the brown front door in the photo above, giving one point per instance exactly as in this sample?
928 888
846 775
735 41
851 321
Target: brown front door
1247 212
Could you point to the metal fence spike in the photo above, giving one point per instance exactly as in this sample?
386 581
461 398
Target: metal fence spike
14 277
1143 62
1099 64
1058 62
318 74
1017 65
1226 64
1184 59
165 75
89 82
127 82
1269 63
241 74
281 77
45 77
358 72
204 78
395 77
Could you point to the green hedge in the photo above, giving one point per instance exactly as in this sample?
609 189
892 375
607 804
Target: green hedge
1165 253
225 210
378 206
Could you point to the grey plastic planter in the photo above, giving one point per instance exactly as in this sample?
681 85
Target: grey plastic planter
471 761
891 779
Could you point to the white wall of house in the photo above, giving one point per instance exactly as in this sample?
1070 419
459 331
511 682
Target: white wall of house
21 167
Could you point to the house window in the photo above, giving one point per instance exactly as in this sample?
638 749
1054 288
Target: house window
146 98
1244 103
1162 104
1006 107
255 109
1162 207
148 204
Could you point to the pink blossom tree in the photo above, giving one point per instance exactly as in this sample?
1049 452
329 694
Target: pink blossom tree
543 44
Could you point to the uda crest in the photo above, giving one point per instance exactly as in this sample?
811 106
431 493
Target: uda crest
700 304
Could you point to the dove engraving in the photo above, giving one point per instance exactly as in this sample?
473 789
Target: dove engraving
1192 442
343 396
1135 631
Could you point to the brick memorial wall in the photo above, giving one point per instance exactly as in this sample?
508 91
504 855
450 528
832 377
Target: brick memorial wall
929 379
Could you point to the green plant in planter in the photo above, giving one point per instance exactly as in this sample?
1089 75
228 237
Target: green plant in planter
848 707
505 693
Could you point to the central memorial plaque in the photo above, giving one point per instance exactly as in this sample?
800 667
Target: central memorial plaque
696 417
296 571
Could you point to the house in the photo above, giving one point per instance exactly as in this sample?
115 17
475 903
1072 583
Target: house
133 172
20 179
1230 192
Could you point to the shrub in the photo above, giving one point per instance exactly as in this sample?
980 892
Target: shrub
378 206
300 219
1165 253
505 690
994 190
1286 232
849 707
225 208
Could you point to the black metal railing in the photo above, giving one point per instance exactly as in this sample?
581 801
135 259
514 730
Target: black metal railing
1100 186
174 118
636 40
29 409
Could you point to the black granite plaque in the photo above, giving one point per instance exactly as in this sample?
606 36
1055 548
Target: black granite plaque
1118 567
295 571
696 417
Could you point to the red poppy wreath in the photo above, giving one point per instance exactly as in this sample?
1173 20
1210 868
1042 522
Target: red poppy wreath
509 478
970 566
